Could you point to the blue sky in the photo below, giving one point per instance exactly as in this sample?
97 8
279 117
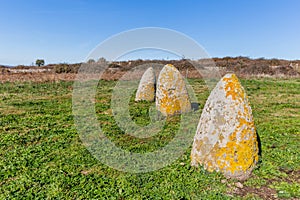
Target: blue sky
67 30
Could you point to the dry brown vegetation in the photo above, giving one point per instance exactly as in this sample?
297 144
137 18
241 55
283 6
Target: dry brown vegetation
242 66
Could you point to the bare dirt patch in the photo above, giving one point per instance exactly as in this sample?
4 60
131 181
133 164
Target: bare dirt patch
263 192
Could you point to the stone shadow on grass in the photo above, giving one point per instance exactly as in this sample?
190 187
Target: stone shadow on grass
259 148
195 106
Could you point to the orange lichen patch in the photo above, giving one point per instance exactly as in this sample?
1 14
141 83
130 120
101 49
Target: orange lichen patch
169 106
199 145
147 93
236 157
209 166
233 87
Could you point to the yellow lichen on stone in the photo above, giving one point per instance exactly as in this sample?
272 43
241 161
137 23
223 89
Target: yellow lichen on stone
233 87
171 93
232 146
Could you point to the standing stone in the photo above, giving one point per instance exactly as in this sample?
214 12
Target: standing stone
171 93
226 139
146 89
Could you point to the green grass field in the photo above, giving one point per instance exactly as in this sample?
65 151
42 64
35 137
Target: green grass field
43 157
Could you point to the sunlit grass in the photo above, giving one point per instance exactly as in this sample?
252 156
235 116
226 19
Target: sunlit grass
42 155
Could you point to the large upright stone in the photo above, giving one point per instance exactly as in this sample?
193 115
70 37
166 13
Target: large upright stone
171 93
226 138
146 89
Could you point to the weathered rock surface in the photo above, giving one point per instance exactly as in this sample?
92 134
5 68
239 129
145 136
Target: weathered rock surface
171 93
146 89
226 139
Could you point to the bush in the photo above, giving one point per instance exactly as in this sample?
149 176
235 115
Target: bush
66 68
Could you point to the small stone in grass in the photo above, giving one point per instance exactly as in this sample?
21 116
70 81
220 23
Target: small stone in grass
239 185
223 181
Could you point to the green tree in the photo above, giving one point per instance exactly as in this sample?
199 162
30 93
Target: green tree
40 62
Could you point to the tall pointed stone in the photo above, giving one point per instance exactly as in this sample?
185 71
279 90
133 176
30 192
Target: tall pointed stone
146 89
171 93
226 139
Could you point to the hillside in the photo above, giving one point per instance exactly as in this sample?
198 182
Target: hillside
242 66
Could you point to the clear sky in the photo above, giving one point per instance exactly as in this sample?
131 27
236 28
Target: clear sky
67 30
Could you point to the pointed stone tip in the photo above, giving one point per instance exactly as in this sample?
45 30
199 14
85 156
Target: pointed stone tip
230 75
170 66
149 69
